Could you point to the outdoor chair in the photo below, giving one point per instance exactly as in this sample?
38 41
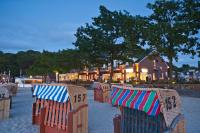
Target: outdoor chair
65 111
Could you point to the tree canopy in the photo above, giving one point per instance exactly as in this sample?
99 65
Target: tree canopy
173 27
39 63
111 36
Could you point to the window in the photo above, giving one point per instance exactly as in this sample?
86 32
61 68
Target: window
144 70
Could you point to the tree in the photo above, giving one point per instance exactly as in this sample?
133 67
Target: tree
37 63
42 65
68 59
49 62
107 38
185 68
190 19
89 46
8 63
167 32
25 59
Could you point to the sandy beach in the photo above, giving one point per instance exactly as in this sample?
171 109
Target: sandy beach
100 115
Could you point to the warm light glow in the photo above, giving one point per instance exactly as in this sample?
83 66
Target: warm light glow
105 77
144 70
137 67
130 76
129 70
117 76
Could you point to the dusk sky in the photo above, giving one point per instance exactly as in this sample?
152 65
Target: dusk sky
51 24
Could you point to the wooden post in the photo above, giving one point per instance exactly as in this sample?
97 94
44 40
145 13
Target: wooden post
117 125
124 78
33 112
42 118
70 122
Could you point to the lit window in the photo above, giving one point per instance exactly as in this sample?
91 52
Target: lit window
144 70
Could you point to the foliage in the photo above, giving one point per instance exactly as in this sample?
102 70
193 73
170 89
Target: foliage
26 59
35 63
111 36
170 30
8 63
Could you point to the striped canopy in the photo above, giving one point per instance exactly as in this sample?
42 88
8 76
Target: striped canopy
144 100
51 92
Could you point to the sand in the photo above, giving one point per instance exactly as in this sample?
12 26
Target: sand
20 120
191 110
100 115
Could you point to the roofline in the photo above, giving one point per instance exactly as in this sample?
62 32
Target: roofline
146 56
150 54
166 64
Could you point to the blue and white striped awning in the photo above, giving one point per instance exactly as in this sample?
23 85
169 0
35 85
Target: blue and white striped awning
51 92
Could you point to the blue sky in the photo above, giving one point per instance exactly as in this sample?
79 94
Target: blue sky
51 24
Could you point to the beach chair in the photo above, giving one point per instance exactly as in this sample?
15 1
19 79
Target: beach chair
101 92
4 103
62 113
147 110
12 90
39 103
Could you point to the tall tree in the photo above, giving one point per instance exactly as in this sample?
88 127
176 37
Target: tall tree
25 59
105 40
68 59
167 32
43 64
8 64
90 46
37 63
190 19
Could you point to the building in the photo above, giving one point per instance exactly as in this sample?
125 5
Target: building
149 68
27 82
72 75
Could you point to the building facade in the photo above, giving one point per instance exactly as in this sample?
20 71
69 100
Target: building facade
148 68
151 68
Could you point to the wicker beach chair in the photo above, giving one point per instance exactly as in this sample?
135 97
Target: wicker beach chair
63 110
4 103
101 92
147 110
